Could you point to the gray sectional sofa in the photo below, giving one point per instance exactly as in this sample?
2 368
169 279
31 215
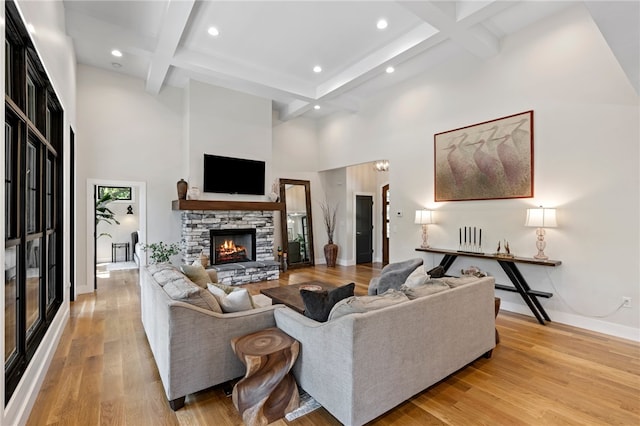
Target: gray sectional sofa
191 343
361 365
357 366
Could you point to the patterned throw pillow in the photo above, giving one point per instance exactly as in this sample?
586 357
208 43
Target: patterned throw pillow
230 288
318 304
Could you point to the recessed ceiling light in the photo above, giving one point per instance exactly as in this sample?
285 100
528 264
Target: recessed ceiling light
382 24
390 70
116 53
213 31
316 107
116 64
317 69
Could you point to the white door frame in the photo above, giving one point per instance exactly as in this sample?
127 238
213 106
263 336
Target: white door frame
91 223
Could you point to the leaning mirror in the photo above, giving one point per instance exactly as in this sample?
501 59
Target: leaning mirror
296 224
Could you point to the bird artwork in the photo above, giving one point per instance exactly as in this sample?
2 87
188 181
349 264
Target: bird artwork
488 160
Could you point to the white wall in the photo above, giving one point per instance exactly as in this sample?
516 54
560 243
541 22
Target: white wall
58 58
586 127
228 123
127 134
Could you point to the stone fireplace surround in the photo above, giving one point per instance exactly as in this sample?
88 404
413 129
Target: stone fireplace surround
196 239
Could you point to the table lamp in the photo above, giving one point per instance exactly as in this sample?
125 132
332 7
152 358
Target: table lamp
541 218
424 217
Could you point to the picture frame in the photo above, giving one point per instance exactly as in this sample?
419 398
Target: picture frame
485 161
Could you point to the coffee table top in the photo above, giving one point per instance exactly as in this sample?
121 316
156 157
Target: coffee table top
289 295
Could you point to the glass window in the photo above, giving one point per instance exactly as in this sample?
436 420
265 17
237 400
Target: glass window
115 192
7 68
48 124
49 194
51 267
8 179
32 188
10 302
34 274
31 100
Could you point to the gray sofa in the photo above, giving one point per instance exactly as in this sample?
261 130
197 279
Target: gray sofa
190 344
361 365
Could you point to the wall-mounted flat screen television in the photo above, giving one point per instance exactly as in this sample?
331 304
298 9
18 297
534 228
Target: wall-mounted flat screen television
226 175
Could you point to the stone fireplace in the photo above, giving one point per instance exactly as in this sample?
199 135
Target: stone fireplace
253 230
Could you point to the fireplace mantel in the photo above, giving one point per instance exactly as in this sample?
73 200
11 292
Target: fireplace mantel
225 205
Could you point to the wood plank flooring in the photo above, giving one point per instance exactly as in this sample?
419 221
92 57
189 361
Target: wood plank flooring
103 372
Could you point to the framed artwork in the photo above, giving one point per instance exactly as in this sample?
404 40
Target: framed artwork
485 161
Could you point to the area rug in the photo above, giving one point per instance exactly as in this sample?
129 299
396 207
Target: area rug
307 405
121 266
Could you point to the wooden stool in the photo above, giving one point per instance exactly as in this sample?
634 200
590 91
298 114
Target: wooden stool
268 391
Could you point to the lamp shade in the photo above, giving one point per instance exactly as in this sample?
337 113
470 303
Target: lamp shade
424 217
541 218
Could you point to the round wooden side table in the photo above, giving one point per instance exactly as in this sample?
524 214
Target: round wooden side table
268 391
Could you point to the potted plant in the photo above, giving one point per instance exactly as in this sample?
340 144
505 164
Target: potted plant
104 213
161 252
329 216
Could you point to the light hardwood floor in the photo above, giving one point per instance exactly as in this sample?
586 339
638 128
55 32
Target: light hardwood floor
103 372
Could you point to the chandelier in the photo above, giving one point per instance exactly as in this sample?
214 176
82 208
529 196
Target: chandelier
382 166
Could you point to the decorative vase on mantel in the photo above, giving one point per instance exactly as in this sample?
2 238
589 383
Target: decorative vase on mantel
183 186
331 253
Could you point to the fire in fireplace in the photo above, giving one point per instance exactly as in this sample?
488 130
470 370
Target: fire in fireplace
232 245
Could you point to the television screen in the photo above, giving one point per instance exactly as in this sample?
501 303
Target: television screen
226 175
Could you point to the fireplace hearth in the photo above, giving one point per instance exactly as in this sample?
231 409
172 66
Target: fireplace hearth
232 245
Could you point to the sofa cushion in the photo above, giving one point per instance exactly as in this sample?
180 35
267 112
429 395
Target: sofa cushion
318 304
418 277
236 301
197 274
356 304
429 287
184 290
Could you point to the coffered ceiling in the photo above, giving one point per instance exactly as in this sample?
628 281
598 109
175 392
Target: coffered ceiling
270 48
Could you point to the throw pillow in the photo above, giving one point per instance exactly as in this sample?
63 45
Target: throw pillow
358 304
318 304
430 287
229 288
236 301
197 274
184 290
454 282
417 278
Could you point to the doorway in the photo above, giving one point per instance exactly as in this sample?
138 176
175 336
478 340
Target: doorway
107 249
364 228
385 224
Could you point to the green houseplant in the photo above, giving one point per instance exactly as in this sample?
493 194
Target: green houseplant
104 213
161 252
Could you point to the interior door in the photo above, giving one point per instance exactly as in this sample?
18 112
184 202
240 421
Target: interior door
364 228
385 224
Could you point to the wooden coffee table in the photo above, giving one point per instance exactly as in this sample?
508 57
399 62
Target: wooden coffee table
290 295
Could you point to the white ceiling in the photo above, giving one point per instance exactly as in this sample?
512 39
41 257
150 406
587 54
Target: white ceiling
269 48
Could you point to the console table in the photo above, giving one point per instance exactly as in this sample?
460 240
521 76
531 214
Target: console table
508 264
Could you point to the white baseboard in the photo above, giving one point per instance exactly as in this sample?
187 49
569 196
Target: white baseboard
19 407
591 324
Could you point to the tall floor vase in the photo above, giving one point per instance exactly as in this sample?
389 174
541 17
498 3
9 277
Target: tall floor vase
331 254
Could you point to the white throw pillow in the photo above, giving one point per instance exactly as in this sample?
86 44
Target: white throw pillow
417 278
237 301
